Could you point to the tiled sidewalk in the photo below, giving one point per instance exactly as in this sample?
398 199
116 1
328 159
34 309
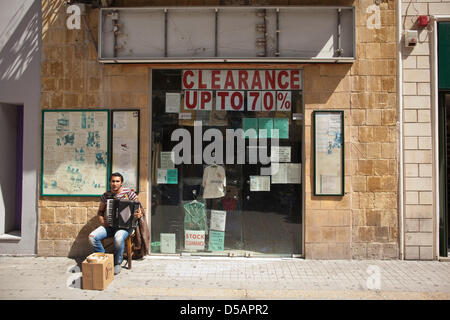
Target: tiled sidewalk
231 278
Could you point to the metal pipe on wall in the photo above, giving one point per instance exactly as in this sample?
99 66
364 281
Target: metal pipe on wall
400 117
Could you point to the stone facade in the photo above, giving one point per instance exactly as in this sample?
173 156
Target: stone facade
363 224
72 78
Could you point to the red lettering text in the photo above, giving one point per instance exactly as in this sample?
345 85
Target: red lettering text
205 99
281 75
201 85
222 95
295 80
229 82
270 79
215 79
243 76
187 85
256 83
191 105
240 100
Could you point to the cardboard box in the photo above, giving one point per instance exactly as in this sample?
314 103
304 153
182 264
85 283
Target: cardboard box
98 271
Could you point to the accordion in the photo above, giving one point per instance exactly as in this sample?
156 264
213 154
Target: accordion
120 213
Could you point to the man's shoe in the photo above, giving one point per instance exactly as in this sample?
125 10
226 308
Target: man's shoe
117 269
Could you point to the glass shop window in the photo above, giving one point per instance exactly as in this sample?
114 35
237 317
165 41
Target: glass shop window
227 162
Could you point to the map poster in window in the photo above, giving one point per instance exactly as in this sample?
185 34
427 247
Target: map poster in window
74 152
328 152
125 146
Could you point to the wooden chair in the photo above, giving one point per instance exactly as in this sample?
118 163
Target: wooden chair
128 248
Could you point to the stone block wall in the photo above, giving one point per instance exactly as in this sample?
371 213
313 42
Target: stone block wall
72 78
364 223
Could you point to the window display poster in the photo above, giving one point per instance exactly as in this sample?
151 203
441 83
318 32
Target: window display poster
216 240
74 152
259 183
282 124
194 239
265 127
167 176
283 173
167 160
125 146
294 173
218 218
328 152
252 125
167 242
280 154
120 121
173 102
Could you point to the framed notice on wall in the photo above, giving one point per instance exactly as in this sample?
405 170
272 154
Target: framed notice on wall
74 151
125 146
328 140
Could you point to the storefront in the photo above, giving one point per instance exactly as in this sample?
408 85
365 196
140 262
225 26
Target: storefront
213 142
263 131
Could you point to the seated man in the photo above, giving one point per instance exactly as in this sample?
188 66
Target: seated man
106 231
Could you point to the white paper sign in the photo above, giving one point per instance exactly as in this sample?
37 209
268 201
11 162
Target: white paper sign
162 176
120 121
279 173
322 133
218 218
283 173
167 242
194 239
173 102
167 160
280 154
185 116
294 172
259 183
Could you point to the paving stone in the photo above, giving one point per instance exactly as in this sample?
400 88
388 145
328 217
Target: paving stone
181 278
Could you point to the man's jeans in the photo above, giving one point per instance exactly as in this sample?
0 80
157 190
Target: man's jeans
119 240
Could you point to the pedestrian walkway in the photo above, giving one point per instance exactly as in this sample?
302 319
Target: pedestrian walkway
229 278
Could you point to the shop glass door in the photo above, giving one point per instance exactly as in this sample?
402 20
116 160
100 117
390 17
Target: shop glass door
227 162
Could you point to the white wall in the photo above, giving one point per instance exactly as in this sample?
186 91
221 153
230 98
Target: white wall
20 84
419 132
